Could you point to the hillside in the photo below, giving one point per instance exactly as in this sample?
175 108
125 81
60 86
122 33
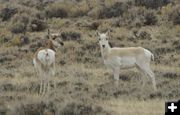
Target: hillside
84 85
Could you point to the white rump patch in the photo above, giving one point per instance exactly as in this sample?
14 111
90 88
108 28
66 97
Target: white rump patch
46 56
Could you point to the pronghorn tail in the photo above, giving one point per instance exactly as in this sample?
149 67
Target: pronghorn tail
152 56
149 54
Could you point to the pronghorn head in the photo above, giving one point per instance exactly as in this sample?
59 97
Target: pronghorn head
103 39
55 40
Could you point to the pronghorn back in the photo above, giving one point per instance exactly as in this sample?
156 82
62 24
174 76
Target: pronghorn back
129 51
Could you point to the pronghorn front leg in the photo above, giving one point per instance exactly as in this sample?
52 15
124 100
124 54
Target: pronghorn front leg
116 72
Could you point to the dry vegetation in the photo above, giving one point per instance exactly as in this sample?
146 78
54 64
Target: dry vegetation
85 85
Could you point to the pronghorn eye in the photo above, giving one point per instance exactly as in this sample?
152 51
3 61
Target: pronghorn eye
54 38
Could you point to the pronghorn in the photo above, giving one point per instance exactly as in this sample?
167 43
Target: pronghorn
122 58
44 61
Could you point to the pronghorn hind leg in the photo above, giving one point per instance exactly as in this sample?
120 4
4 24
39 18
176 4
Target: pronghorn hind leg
53 75
143 79
48 87
41 82
151 74
44 88
41 86
143 76
147 70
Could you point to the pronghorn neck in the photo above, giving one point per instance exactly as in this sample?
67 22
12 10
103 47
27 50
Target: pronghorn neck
50 45
105 51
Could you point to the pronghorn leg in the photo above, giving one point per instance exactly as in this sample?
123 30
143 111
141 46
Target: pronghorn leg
151 74
48 86
44 87
41 86
53 75
116 76
41 82
143 76
146 69
44 83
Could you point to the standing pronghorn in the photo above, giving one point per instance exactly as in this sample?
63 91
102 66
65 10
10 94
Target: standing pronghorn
44 61
122 58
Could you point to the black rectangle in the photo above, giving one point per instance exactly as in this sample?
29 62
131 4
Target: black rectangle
172 108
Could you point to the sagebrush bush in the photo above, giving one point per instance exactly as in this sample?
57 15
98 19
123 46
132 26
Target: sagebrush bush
16 41
174 16
115 10
18 27
57 10
152 3
23 18
77 12
139 16
150 17
133 16
7 13
71 35
37 25
79 9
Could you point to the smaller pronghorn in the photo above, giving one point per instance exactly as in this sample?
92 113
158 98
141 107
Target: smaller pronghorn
122 58
44 61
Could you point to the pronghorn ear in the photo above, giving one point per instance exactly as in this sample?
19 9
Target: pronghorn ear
97 33
107 32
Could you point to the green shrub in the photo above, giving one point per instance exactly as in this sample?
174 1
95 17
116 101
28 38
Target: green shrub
139 16
7 13
18 27
114 11
71 36
57 10
23 18
150 18
37 25
174 16
152 3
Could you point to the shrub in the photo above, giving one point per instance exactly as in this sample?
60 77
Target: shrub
115 10
23 18
71 35
150 18
77 12
7 13
80 10
152 3
57 10
15 41
18 27
174 16
133 16
37 25
82 109
138 16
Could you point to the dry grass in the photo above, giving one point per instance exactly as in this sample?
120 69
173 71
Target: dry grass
134 107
